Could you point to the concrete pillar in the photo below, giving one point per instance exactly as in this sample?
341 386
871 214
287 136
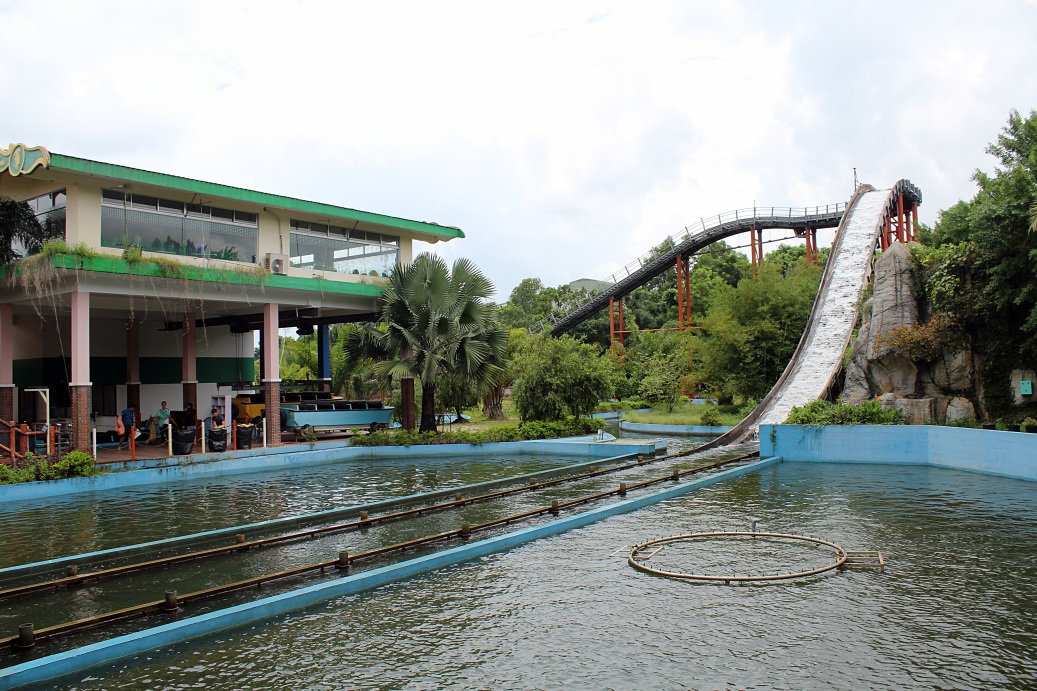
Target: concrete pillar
6 363
271 374
324 355
80 386
133 364
189 378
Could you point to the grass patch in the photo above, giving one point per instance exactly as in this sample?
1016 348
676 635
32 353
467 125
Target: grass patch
691 415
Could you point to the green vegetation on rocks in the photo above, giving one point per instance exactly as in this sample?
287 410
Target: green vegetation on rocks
821 413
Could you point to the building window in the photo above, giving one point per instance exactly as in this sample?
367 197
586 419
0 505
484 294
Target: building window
329 248
50 212
172 227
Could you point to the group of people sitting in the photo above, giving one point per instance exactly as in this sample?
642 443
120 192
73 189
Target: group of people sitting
159 422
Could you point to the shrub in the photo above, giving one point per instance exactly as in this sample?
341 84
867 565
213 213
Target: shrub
925 342
527 430
820 413
75 464
710 416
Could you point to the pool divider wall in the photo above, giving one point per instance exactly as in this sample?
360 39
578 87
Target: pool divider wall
680 430
1008 454
272 459
80 660
277 524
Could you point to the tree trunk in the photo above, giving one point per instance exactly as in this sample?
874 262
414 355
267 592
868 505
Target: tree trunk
407 403
428 407
493 403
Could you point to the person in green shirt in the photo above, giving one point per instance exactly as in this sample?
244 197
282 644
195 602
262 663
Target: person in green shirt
158 422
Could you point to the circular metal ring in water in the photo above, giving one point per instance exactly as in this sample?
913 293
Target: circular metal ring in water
840 557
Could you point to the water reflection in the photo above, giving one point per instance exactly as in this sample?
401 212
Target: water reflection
953 608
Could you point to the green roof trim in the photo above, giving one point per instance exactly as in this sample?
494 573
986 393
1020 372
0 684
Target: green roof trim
256 277
145 177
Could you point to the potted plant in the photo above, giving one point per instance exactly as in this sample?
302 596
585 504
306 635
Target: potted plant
1030 425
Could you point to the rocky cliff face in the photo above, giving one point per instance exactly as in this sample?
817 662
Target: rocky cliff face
943 389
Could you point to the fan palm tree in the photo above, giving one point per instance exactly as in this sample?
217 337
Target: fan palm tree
434 320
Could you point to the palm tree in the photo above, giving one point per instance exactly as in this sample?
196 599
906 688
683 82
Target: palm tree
18 222
434 320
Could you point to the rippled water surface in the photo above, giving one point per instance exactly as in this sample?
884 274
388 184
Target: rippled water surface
34 531
953 608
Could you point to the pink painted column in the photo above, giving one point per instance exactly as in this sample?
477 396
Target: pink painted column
6 363
271 375
190 369
80 386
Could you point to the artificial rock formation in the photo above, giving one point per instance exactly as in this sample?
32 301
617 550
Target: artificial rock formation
923 391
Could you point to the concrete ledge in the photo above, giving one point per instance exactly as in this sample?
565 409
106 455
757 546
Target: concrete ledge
1009 454
51 668
281 457
679 430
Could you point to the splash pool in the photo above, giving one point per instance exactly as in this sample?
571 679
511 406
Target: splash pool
952 609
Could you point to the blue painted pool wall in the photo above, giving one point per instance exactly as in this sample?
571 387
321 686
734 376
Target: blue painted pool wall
74 662
1009 454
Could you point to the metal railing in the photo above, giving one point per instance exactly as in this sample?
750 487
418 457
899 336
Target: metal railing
692 238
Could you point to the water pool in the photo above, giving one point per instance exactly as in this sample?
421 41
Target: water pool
85 522
952 609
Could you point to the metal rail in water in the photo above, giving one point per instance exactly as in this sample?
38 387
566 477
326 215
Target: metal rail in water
74 577
694 239
27 637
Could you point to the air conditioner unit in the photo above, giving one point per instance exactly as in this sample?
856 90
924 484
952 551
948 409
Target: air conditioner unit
276 263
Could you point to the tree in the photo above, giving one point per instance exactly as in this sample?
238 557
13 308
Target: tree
981 264
434 320
557 377
751 331
18 223
660 361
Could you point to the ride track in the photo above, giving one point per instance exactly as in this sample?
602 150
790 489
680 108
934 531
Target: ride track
344 560
869 220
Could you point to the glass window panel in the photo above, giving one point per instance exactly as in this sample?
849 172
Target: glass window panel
114 195
142 200
246 217
171 206
222 213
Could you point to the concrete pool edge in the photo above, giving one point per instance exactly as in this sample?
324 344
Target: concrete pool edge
990 452
80 660
258 460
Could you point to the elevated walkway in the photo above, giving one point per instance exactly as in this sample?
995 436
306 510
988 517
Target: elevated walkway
694 239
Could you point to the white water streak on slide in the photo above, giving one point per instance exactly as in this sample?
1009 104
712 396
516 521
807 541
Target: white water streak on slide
833 319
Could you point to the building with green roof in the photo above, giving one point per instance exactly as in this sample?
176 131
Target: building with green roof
166 280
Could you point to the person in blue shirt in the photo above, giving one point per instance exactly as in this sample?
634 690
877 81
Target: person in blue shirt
128 416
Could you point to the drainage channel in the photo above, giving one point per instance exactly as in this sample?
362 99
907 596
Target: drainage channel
172 602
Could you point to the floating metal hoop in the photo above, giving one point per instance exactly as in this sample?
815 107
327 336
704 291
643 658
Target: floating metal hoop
633 560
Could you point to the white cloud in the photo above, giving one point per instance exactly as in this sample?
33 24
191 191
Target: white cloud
564 138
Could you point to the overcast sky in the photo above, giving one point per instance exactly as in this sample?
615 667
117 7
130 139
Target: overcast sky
564 138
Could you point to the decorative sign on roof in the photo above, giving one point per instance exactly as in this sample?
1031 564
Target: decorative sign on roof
19 159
